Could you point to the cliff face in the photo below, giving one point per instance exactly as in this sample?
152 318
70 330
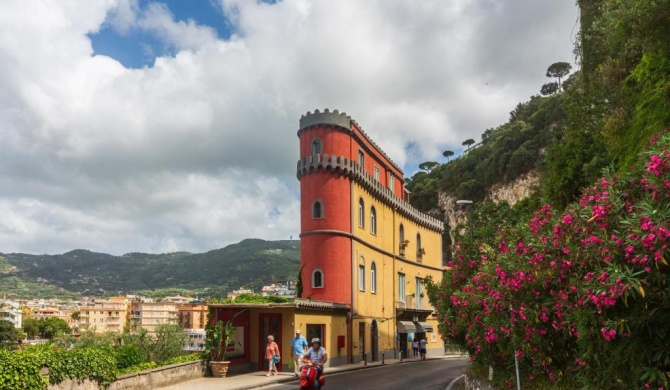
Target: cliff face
512 192
516 190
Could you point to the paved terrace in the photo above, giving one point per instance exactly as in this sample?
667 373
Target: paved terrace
258 379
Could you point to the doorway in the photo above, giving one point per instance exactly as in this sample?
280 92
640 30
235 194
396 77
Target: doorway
374 336
269 324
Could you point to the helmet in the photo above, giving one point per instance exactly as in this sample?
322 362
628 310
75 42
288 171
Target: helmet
316 340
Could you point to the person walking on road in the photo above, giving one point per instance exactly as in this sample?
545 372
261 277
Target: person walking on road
271 350
415 347
422 348
298 345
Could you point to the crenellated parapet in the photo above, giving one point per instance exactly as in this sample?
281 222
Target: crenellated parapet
346 167
343 121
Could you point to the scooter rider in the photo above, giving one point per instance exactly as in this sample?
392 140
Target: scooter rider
317 354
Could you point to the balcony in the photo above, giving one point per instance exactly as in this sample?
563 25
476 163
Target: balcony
413 303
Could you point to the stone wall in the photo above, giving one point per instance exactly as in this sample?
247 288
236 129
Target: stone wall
143 380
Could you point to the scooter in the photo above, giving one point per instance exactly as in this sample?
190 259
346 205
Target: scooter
308 376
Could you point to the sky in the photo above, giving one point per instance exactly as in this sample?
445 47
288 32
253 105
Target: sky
160 126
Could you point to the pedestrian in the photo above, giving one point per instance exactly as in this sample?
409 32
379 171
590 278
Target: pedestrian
415 347
422 348
298 345
272 350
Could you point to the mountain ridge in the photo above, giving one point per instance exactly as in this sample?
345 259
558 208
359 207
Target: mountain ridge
81 271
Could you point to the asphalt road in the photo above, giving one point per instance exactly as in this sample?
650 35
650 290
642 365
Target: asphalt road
428 374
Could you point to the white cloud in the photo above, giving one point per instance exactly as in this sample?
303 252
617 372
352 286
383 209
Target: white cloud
199 150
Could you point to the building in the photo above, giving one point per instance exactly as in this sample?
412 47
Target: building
280 289
11 311
195 340
238 292
147 314
105 315
365 251
192 316
362 243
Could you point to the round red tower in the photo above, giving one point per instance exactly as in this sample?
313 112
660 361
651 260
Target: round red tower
325 206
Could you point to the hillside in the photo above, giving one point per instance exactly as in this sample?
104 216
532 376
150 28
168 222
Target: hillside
250 263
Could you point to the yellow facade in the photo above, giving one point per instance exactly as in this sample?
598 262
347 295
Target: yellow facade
105 315
379 258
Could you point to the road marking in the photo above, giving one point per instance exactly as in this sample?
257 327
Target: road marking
453 382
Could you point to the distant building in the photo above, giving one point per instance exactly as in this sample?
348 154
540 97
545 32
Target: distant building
11 311
237 293
178 300
195 340
105 315
192 316
286 290
146 314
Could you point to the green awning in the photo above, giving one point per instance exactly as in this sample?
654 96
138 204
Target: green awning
406 327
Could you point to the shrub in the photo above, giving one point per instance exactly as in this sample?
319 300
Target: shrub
578 295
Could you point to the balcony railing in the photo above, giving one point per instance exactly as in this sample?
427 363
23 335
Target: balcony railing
413 302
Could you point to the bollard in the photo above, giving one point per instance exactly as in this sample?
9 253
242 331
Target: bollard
400 355
365 359
382 358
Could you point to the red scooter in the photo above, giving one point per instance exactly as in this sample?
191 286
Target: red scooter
308 376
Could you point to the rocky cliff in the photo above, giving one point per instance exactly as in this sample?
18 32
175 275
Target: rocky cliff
512 192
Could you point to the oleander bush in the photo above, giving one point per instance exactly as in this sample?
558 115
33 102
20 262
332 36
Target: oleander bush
580 296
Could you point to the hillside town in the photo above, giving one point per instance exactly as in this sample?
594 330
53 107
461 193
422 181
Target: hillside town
129 313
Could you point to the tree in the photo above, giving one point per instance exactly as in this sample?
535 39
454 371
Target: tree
448 154
298 283
468 142
9 335
31 327
559 70
53 326
428 166
169 342
549 88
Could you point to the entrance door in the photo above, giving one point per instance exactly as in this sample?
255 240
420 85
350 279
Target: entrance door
361 338
374 336
270 324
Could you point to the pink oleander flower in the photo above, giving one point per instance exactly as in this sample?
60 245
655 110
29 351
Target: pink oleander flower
609 335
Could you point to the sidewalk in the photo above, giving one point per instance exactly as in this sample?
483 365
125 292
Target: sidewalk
258 379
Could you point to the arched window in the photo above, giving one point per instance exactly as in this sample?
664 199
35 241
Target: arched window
317 210
317 278
373 278
316 147
419 248
361 213
373 220
401 238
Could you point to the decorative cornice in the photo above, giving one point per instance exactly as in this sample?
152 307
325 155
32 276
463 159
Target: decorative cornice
344 121
373 247
351 169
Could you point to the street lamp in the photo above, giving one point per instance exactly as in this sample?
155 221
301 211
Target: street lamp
468 203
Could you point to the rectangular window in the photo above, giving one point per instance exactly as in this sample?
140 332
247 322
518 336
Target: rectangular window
401 287
419 293
361 277
377 173
316 331
361 159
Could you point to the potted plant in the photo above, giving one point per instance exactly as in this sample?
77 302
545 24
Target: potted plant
219 338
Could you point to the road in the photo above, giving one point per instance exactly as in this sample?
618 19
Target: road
428 375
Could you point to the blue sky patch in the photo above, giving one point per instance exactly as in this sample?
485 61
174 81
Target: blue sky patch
138 48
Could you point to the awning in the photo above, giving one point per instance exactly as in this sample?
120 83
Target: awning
406 327
423 327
